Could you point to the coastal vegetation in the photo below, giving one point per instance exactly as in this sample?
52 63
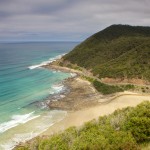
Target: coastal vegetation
110 89
119 51
125 129
106 88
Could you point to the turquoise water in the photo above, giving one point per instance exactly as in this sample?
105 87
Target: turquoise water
25 85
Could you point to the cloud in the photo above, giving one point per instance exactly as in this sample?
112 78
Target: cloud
67 19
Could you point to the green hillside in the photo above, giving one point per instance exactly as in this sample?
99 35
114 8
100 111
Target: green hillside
119 51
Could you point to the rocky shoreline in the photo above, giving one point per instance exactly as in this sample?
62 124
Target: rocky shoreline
83 102
81 95
81 92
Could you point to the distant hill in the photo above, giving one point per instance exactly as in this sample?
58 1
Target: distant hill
119 51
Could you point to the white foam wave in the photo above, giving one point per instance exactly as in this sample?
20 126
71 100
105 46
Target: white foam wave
16 120
58 87
47 120
21 138
43 105
46 62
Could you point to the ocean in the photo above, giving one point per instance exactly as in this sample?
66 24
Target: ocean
25 86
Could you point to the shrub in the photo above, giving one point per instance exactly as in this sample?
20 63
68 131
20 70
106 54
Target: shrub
121 130
120 140
138 122
91 141
128 87
54 143
106 89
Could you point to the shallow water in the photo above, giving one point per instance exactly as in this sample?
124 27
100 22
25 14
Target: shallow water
24 87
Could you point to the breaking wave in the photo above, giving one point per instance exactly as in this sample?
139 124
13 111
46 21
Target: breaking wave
46 62
16 120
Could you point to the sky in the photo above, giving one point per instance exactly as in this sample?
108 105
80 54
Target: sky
67 20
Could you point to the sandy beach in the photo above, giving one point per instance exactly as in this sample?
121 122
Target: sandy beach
91 109
83 103
79 117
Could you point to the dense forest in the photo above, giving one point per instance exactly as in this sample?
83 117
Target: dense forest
119 51
126 129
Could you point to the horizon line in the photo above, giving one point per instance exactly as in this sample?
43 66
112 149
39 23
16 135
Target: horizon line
7 42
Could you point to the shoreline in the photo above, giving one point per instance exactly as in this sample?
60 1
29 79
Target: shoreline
81 94
83 103
101 102
79 117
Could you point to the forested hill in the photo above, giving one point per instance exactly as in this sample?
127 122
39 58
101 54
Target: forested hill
119 51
